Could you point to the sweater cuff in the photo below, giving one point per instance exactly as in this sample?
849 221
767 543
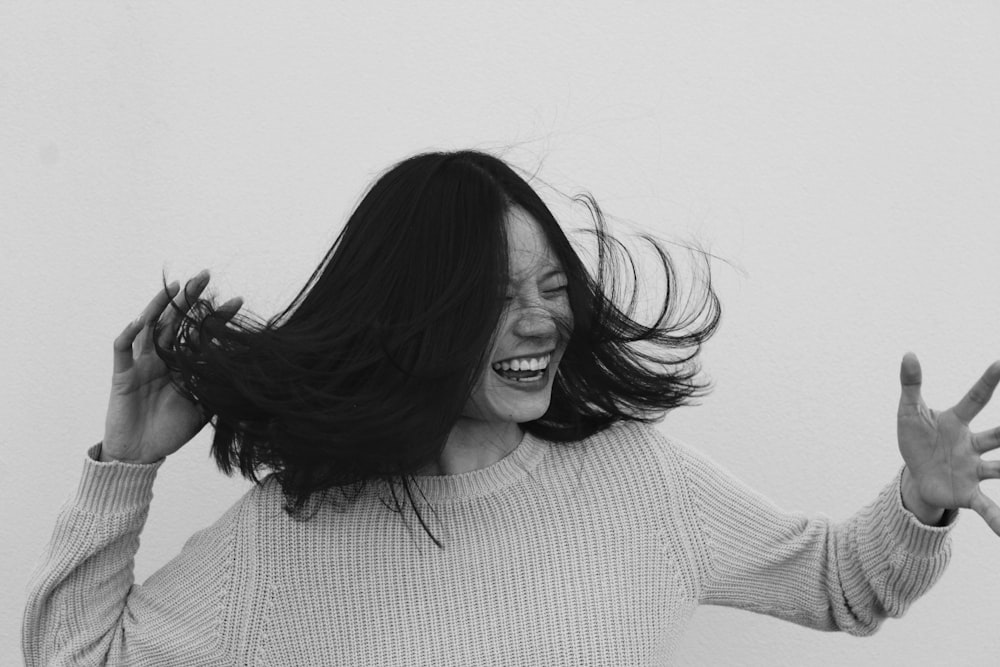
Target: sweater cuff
113 487
906 532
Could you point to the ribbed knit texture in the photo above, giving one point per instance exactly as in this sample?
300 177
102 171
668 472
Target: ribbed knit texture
594 553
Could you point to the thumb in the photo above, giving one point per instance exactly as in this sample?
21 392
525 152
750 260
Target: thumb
910 378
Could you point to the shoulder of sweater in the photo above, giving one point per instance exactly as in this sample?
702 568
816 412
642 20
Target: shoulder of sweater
263 498
636 453
627 440
637 446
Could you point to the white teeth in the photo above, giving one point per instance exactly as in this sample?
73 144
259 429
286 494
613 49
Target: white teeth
524 364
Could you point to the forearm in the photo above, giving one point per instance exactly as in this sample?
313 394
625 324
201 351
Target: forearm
77 594
809 570
885 557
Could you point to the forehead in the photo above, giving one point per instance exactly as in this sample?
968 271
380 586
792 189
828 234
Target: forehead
530 252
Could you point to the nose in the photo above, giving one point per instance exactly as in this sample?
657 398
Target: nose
535 322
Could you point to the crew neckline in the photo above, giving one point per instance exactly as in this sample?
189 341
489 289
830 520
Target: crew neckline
512 468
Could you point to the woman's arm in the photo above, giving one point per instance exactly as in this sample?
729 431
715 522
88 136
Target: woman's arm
83 607
809 570
78 594
78 600
851 575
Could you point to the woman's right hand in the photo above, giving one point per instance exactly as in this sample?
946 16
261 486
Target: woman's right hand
148 418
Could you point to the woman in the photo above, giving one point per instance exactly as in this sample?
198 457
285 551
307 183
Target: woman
454 414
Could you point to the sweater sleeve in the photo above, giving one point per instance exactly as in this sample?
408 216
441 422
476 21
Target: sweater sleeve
809 570
83 607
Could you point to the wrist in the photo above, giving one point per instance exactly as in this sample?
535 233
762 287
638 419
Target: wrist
102 454
910 496
104 457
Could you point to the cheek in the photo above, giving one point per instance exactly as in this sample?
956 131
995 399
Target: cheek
562 313
567 320
484 395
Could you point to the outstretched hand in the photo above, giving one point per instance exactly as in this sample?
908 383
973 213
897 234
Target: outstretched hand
148 418
942 455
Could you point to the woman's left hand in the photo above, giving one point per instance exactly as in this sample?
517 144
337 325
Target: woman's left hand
943 458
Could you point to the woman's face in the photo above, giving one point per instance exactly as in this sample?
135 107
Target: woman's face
516 385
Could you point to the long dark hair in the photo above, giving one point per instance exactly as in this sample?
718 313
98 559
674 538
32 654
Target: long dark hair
365 372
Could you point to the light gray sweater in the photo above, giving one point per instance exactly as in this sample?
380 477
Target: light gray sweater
593 553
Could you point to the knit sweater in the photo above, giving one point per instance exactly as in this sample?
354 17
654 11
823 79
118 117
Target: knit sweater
596 553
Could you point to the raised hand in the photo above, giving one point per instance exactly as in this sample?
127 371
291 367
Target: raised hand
148 418
943 456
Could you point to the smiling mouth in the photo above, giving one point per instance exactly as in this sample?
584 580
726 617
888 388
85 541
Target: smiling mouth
523 369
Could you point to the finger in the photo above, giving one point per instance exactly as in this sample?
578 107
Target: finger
182 303
979 395
220 317
987 509
123 345
156 305
989 470
985 441
229 309
910 377
151 313
154 313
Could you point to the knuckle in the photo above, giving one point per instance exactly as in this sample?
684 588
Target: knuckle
980 393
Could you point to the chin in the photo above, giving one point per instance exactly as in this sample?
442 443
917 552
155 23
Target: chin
519 402
522 414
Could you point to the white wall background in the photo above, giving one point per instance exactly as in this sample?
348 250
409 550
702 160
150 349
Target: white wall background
843 157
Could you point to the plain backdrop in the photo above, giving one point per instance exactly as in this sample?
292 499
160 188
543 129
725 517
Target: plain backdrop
840 159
